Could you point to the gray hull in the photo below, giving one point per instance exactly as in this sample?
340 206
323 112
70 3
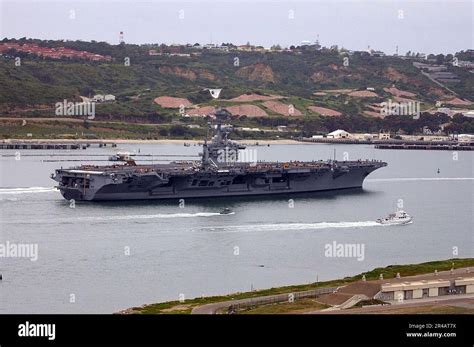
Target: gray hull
150 187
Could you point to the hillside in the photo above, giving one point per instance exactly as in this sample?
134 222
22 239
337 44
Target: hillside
300 83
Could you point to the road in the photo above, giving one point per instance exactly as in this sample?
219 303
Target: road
224 305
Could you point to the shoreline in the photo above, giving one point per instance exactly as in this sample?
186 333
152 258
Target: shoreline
390 273
162 141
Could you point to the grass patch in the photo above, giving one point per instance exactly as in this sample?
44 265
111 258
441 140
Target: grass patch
298 306
417 269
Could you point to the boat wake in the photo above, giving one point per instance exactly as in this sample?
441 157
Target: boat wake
26 190
417 179
99 219
292 226
151 216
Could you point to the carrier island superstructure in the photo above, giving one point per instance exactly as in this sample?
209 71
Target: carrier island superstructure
216 175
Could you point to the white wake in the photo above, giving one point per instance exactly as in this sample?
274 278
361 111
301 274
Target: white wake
292 226
416 179
27 190
152 216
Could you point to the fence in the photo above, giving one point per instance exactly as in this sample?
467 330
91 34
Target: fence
266 300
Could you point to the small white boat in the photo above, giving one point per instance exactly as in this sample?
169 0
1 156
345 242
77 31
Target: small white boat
399 217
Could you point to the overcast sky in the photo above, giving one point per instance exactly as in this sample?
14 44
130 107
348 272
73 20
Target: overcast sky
442 26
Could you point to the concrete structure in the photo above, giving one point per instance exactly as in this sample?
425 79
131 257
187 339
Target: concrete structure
465 138
426 288
464 285
383 135
414 290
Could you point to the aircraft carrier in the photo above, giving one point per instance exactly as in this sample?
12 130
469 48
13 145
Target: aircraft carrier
217 174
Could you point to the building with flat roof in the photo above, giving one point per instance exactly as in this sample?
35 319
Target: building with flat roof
408 290
464 285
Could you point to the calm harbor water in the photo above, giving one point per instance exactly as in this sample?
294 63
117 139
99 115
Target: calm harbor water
110 256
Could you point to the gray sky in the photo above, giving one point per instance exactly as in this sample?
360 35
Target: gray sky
442 26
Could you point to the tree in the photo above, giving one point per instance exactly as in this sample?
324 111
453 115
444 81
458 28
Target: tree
178 131
440 59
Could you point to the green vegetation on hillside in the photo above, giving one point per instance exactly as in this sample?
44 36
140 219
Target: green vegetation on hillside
33 88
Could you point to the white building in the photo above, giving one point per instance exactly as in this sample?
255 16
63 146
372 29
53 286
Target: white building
467 282
368 136
103 98
469 114
98 98
414 290
465 138
339 134
410 290
384 135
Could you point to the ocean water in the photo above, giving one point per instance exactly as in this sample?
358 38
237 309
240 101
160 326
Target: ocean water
104 257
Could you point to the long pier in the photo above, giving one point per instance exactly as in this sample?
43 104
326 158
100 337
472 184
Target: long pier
398 144
53 145
335 141
432 147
